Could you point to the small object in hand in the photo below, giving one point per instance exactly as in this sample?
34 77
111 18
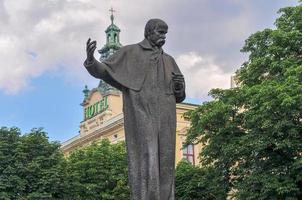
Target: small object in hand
177 86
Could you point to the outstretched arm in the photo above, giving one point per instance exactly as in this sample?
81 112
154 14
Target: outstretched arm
95 68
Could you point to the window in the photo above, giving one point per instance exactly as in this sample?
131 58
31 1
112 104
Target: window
188 153
115 37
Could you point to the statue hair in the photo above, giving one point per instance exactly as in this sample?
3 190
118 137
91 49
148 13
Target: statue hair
152 24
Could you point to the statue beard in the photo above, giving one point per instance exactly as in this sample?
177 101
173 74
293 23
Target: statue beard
160 42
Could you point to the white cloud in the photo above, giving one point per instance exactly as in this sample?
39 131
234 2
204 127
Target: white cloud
16 65
43 37
38 37
202 74
49 36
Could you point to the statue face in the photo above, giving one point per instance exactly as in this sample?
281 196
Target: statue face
158 36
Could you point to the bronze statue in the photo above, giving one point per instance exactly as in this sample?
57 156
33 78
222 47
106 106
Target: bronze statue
152 84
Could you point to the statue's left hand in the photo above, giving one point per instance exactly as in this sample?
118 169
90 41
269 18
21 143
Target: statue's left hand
178 81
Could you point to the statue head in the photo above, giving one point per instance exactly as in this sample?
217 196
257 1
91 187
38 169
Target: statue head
155 32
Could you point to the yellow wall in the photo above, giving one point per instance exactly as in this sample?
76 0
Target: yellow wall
109 124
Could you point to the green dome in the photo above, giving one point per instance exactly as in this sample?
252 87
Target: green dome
112 27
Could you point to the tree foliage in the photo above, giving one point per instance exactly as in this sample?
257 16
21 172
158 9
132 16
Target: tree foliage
30 166
198 183
253 133
98 171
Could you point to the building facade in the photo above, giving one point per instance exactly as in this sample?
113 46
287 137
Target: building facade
103 112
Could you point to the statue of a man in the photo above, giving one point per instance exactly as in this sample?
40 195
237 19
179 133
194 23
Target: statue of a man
151 84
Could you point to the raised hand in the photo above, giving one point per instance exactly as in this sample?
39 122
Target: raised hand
90 48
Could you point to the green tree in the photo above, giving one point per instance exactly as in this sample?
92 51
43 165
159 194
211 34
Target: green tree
198 183
31 167
253 133
98 171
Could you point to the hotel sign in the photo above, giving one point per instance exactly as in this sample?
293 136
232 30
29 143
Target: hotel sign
96 108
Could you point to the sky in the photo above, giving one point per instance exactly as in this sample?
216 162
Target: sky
42 49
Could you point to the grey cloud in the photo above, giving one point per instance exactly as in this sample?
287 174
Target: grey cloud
219 27
3 15
56 30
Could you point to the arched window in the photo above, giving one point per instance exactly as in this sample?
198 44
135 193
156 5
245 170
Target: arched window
115 37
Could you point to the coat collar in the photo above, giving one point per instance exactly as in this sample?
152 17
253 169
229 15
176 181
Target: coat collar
145 44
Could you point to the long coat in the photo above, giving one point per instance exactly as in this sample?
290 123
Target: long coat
144 75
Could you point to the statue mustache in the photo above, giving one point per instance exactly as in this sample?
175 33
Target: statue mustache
161 40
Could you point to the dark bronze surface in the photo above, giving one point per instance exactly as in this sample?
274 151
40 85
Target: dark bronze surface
152 84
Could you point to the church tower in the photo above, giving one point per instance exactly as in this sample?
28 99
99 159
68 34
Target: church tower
112 39
111 46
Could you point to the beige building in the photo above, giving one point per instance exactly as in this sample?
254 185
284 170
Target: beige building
103 118
103 115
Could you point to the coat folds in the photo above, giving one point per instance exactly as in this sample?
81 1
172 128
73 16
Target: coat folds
144 75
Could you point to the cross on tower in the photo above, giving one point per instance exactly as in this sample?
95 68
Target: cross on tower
111 10
112 17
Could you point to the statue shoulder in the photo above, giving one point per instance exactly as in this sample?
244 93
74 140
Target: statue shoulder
166 54
169 57
129 48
